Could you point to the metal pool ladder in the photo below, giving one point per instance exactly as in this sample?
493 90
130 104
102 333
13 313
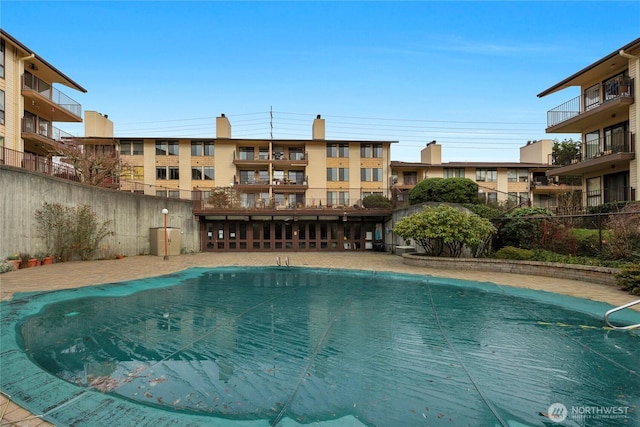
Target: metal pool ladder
613 310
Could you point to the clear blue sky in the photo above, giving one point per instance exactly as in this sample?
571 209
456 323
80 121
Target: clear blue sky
463 73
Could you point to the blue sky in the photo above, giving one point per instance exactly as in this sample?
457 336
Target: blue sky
465 74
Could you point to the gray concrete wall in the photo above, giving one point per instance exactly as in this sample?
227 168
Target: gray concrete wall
132 215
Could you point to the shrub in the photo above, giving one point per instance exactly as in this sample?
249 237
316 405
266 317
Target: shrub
446 190
70 231
523 228
438 228
485 211
509 252
377 201
624 235
6 266
629 278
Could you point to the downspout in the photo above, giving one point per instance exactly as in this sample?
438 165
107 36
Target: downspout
636 90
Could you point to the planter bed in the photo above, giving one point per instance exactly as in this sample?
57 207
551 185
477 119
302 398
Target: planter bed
601 275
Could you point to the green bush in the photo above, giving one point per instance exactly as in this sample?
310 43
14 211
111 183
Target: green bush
485 211
523 227
629 278
377 201
445 190
509 252
445 231
71 231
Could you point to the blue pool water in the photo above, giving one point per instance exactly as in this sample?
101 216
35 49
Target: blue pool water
289 346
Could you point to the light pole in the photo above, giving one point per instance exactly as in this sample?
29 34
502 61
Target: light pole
166 242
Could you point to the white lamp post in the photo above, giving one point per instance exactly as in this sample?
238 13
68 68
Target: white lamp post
166 242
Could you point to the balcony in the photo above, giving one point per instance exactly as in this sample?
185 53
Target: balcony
241 158
40 136
599 103
613 152
40 96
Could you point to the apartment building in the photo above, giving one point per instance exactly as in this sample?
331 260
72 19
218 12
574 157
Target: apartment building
523 182
260 194
31 105
607 117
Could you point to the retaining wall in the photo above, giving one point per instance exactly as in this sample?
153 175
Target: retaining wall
601 275
22 192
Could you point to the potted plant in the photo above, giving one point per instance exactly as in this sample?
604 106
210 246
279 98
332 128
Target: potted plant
47 259
15 260
24 259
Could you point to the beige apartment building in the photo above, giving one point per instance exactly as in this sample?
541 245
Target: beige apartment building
607 117
31 105
523 182
261 194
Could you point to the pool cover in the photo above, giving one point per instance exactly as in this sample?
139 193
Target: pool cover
289 346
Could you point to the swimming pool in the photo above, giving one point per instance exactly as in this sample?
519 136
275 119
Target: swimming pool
293 346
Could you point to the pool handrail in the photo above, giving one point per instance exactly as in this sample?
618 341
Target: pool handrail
613 310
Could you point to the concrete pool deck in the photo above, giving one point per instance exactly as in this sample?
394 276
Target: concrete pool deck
78 274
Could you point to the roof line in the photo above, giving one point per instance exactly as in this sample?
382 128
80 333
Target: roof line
41 59
564 82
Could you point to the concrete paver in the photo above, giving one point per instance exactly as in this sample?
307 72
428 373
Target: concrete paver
77 274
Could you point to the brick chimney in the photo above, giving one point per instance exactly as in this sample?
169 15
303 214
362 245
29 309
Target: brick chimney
317 131
223 127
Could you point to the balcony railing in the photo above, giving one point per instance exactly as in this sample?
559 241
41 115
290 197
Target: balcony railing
45 90
614 88
622 142
608 195
275 156
42 127
35 163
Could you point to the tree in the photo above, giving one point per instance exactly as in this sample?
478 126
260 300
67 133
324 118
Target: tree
563 153
377 201
95 165
444 230
446 190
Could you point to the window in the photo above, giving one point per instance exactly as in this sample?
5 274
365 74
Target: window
138 173
196 173
2 58
337 198
593 192
131 147
209 174
591 97
338 150
174 173
371 150
454 172
517 175
161 193
247 177
1 107
174 194
337 174
200 148
296 153
246 153
592 144
161 172
371 193
614 139
371 174
486 175
409 178
161 148
173 148
263 153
